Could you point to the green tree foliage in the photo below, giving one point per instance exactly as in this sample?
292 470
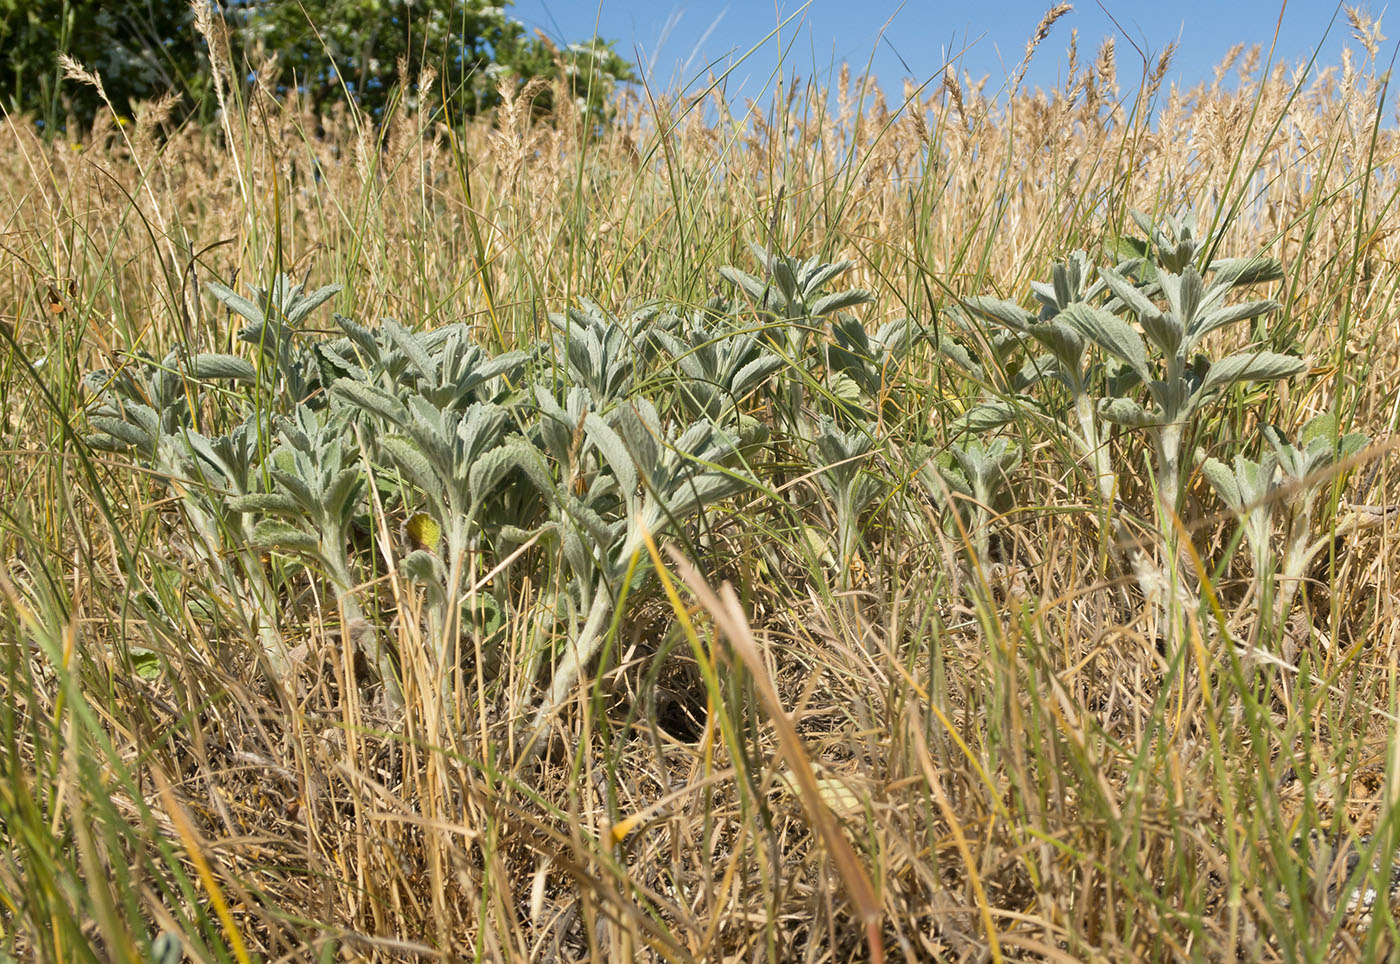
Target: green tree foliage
140 49
468 43
330 50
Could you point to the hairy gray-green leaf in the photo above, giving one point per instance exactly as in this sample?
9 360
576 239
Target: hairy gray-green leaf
1223 481
223 366
614 452
1250 366
1246 271
1230 314
1004 312
1109 332
276 534
985 416
839 301
372 399
236 302
1125 411
270 503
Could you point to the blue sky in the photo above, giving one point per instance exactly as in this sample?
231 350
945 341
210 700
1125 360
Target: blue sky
675 39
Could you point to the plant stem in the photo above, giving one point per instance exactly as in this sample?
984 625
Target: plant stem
565 677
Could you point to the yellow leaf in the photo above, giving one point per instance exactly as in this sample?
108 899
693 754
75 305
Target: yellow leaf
423 531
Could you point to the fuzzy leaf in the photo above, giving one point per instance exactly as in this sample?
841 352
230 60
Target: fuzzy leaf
372 399
1007 313
298 489
1211 320
614 452
423 567
1125 411
412 347
412 462
124 432
303 304
1246 271
1128 293
236 303
1163 330
223 366
960 356
270 503
839 301
843 388
1109 332
1250 367
753 374
751 286
103 442
1223 481
1319 428
342 493
487 471
1064 342
1184 293
819 275
276 534
985 416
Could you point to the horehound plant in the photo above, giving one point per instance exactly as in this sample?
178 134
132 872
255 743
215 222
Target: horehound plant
457 460
970 483
438 408
290 372
793 306
317 489
841 458
1276 499
144 408
1173 308
645 480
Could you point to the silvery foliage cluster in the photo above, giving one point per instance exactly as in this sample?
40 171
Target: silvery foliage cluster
1148 318
563 446
1123 348
841 380
1279 494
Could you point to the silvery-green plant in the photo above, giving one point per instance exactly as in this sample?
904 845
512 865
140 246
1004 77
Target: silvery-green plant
1180 382
274 316
1284 486
969 481
445 366
793 305
841 458
646 479
1149 318
457 460
317 489
1063 358
864 367
1172 241
145 409
792 294
715 365
604 354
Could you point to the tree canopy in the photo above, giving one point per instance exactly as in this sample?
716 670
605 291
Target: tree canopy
330 50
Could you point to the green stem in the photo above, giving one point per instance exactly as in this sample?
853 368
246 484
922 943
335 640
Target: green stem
575 658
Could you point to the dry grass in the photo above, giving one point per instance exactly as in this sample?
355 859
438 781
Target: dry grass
1016 767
